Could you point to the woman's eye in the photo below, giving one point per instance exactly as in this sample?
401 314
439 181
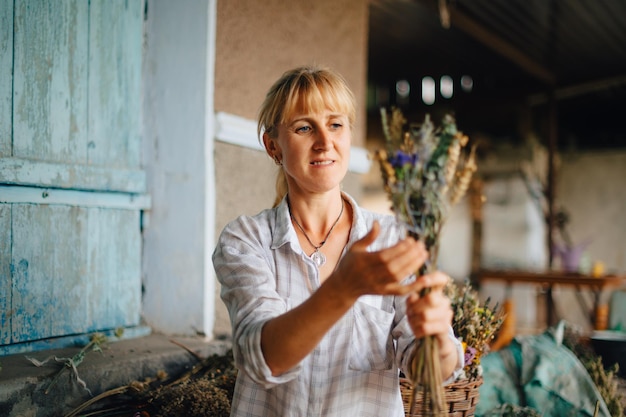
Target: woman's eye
303 129
336 125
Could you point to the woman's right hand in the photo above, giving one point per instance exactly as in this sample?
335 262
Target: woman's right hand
382 272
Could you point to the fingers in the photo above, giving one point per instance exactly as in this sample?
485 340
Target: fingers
436 281
408 255
382 271
430 314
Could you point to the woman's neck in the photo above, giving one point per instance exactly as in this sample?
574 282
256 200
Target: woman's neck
316 215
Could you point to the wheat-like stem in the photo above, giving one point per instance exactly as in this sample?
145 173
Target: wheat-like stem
463 179
426 376
425 366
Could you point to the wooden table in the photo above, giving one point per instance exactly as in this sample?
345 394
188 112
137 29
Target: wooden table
550 279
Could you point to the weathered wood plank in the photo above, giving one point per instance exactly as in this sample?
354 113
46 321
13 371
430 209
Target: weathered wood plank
76 270
83 177
115 54
5 274
63 342
114 268
6 67
49 258
36 195
50 80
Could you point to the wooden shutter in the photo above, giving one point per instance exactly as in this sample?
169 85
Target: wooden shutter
71 184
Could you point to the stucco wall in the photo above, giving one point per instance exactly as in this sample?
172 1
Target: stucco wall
256 42
259 40
591 187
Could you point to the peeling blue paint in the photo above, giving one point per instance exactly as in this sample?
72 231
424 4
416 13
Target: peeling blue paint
74 101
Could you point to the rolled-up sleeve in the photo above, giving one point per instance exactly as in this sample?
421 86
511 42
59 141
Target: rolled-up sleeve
249 291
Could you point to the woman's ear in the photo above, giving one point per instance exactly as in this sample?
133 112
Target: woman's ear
271 147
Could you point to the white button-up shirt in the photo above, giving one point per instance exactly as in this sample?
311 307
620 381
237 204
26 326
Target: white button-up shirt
354 369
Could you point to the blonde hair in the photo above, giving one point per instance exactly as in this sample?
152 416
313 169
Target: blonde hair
298 90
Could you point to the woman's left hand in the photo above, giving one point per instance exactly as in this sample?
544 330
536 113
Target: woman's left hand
431 314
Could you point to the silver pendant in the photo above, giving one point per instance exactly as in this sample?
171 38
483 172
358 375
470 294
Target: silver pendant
318 257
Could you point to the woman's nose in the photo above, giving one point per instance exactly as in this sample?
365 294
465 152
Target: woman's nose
323 139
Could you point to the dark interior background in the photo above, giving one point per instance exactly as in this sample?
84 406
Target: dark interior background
519 53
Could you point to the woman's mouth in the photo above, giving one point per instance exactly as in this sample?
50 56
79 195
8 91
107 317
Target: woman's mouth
322 162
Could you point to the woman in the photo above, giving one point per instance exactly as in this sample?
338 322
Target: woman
318 291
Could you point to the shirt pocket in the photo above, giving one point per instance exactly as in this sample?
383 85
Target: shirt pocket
371 347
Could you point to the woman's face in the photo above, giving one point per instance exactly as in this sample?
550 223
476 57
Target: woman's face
314 149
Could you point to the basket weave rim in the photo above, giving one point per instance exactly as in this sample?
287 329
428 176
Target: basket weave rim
461 397
460 384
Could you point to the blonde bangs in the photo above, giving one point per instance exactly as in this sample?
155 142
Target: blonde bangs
305 90
315 93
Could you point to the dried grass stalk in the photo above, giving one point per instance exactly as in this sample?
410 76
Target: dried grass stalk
463 178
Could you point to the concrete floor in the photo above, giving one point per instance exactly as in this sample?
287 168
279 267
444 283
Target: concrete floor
23 385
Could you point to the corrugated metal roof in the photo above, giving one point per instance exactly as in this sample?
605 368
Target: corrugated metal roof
517 51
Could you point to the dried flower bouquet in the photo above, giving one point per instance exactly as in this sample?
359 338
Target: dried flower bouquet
423 174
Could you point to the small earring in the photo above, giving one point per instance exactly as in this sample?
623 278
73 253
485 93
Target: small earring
277 161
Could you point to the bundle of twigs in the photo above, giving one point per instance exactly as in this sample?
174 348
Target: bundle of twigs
206 389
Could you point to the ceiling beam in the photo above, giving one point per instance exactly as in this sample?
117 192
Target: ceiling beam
474 29
579 89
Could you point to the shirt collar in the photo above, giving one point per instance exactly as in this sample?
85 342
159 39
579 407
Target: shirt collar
284 231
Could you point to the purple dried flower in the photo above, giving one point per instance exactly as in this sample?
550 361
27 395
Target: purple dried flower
400 159
470 354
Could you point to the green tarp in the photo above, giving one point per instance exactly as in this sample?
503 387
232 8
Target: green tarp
539 372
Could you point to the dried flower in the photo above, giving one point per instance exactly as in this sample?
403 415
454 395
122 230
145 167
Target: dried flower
470 353
474 323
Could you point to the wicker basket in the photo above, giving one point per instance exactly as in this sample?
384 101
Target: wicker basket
461 398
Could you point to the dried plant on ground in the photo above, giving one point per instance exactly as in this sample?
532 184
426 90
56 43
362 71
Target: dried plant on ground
605 378
97 340
205 390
